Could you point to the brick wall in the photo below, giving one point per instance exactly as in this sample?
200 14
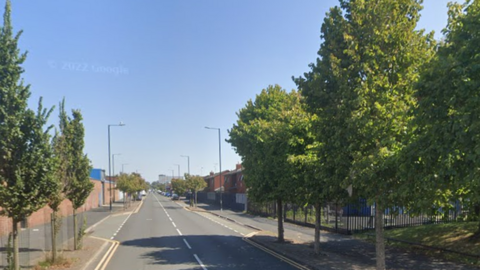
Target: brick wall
43 215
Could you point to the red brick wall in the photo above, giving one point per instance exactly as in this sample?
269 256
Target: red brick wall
43 215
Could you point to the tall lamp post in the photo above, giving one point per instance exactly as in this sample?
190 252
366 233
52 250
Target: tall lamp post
188 157
220 165
178 165
113 171
121 124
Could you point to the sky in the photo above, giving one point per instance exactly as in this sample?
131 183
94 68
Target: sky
167 69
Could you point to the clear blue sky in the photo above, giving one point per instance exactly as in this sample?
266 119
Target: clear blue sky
168 68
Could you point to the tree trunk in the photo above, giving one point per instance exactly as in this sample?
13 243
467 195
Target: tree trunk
54 236
379 239
75 235
16 249
124 199
196 200
281 237
316 244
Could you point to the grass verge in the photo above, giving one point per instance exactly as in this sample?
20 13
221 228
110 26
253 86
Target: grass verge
454 236
60 263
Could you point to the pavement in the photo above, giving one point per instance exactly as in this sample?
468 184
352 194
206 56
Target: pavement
35 242
338 251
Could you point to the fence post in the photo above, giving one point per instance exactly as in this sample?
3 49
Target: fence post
336 216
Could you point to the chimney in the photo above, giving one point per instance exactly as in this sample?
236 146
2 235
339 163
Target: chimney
212 173
238 166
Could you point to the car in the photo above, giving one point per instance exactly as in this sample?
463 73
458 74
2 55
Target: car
175 197
167 194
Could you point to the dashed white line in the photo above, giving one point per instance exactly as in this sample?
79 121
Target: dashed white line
179 232
199 262
174 224
186 243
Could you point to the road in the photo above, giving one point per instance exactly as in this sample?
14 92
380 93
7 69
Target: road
164 235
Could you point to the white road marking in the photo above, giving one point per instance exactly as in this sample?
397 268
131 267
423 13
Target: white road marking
174 224
199 262
179 232
186 243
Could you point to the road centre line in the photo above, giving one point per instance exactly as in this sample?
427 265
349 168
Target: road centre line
174 224
186 243
199 262
179 232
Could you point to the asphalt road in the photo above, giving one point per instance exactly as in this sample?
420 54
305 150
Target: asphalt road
163 235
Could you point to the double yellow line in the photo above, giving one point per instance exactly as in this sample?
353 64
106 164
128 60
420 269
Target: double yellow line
273 253
108 256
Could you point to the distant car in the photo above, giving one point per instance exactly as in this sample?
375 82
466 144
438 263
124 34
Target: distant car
175 197
167 194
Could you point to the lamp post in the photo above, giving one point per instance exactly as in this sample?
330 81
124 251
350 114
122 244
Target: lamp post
109 168
220 165
178 165
113 171
188 159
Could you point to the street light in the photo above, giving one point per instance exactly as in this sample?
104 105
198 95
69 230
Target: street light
178 170
109 168
113 171
220 165
188 157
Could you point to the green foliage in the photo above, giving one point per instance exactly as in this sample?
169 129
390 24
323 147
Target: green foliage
131 183
445 153
25 154
179 186
157 185
362 90
9 255
263 137
78 185
195 182
81 234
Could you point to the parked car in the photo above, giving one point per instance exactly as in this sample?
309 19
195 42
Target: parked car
175 197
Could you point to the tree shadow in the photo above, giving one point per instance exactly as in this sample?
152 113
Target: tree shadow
215 251
350 254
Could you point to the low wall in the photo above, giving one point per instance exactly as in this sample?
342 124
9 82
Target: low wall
42 216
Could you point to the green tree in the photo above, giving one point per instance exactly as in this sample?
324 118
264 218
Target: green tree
195 183
260 138
326 91
26 163
179 186
62 159
79 185
445 153
372 60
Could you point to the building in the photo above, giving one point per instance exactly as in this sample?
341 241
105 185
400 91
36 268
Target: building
234 181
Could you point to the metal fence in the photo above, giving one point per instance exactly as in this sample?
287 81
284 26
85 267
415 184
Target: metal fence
353 218
229 200
35 242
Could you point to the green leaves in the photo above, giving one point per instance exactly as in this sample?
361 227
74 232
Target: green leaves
264 136
131 183
25 154
447 116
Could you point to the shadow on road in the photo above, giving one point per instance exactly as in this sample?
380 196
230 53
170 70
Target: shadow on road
228 252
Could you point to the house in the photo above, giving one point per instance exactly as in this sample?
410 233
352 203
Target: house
234 181
213 181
